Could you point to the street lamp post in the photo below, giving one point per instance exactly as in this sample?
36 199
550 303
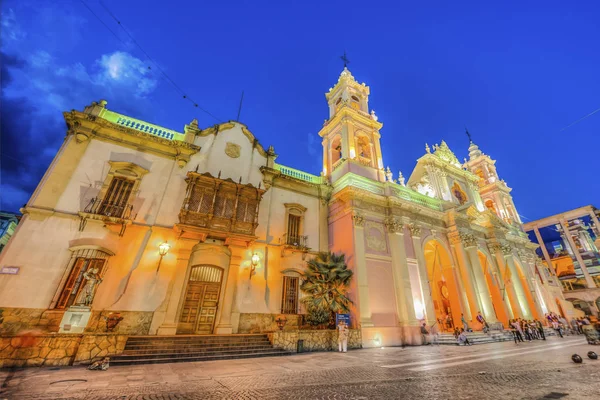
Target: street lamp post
163 249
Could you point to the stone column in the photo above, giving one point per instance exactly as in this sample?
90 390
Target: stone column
467 278
405 308
415 232
588 279
225 325
484 293
596 222
176 288
509 295
544 249
345 141
516 283
361 271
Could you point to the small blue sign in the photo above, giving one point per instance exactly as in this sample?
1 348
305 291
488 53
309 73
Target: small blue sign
342 317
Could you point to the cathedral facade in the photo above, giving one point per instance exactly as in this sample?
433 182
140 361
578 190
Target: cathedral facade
203 232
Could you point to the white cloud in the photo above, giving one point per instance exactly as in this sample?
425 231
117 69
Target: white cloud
10 28
123 68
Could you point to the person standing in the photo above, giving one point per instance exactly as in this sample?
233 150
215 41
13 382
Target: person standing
515 324
343 336
464 322
424 333
556 327
483 322
540 329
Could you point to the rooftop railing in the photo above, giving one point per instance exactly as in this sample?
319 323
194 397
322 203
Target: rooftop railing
295 173
141 126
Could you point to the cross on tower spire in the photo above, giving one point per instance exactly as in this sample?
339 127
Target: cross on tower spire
345 59
468 134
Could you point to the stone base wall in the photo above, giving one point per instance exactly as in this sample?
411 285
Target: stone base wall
16 320
133 323
262 323
314 340
58 349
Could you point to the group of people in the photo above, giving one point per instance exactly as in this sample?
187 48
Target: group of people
529 330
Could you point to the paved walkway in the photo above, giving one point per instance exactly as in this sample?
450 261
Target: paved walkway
526 371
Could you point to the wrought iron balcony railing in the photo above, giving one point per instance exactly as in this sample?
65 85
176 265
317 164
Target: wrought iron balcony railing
297 241
114 210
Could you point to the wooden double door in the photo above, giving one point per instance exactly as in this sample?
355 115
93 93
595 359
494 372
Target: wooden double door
201 301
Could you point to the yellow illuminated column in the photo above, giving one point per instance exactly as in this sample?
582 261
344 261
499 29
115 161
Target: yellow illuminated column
467 277
230 286
518 286
484 293
509 295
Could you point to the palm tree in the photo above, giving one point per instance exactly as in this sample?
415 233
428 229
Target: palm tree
326 282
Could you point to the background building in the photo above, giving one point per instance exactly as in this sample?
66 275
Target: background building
569 251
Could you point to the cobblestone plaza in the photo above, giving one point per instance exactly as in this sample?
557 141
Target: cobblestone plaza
533 370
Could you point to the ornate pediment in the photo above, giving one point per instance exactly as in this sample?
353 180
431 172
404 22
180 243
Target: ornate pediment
445 154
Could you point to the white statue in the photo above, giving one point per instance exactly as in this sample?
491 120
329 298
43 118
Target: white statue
375 117
86 296
388 175
401 178
427 149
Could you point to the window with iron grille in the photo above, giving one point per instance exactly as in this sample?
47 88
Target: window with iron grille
289 299
81 261
201 199
117 196
293 229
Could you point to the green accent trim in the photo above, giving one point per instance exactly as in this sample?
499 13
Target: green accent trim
141 126
396 190
296 173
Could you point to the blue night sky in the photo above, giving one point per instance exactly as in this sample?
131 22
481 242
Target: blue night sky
514 74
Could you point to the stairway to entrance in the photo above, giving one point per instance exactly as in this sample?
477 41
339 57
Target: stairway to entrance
181 348
483 338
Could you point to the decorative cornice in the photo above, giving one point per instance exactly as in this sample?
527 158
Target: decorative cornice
468 239
505 248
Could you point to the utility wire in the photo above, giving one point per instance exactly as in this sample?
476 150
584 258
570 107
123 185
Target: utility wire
166 77
580 119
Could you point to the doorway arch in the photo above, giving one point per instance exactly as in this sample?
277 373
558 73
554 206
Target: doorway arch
443 287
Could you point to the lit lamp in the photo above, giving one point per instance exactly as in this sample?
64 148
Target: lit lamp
255 259
163 249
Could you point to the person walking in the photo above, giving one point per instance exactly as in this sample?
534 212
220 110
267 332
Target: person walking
483 322
343 336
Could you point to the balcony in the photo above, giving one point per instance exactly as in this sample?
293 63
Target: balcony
119 213
297 241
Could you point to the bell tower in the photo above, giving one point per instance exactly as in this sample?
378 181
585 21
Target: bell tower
351 134
494 192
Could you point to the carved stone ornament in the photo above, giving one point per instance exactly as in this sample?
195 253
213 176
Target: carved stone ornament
232 150
375 237
393 225
358 219
503 247
468 239
415 230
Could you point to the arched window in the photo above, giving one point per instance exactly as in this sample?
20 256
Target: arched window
355 103
336 149
363 150
82 261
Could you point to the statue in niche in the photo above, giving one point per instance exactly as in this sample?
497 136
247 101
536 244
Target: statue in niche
92 280
459 194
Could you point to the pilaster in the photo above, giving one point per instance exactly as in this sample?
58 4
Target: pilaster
470 290
485 296
405 308
415 232
361 270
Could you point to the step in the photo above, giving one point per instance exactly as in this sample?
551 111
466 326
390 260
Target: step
195 344
200 358
127 356
176 350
